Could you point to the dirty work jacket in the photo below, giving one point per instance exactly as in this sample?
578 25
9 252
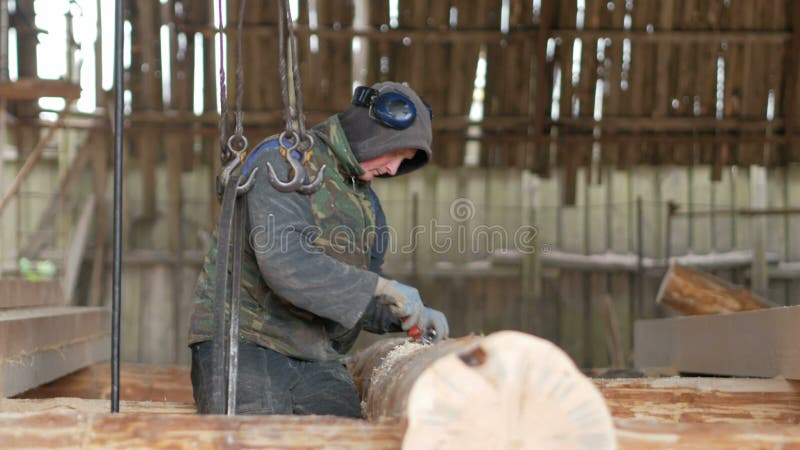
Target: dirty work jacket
306 288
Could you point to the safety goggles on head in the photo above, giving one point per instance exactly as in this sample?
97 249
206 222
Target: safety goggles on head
391 109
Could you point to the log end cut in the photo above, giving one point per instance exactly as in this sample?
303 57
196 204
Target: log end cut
507 390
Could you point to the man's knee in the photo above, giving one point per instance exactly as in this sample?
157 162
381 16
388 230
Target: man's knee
326 389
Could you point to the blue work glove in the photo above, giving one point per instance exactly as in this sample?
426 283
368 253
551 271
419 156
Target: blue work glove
434 325
402 300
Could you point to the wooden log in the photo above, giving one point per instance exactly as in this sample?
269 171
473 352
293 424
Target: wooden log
760 343
505 390
691 291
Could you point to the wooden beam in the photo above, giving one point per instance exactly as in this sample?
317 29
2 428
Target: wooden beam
19 292
26 331
445 393
77 246
46 223
761 343
95 431
22 372
35 88
514 35
71 405
642 435
703 400
33 158
544 87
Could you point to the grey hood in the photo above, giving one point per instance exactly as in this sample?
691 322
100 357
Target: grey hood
369 139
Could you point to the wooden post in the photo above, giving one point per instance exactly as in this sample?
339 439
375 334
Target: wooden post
758 200
690 291
505 390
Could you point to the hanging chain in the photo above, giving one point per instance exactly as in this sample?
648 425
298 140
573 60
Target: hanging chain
295 141
240 141
225 154
232 148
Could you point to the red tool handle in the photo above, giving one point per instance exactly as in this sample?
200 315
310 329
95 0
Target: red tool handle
414 332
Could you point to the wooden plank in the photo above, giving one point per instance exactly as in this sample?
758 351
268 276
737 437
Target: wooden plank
651 436
77 247
46 223
138 382
703 400
95 431
758 343
566 31
71 405
25 331
23 372
19 292
100 177
35 88
142 429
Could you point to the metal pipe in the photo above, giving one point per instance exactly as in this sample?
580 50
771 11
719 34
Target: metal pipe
117 272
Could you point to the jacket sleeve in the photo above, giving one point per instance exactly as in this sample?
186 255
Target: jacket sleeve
378 319
282 233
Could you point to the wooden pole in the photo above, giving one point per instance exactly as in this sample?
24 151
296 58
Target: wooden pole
505 390
33 158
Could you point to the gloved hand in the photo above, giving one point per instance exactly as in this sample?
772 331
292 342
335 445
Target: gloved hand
403 301
436 321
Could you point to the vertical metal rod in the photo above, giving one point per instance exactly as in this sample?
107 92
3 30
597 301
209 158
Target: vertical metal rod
586 277
117 276
233 329
3 77
639 256
414 224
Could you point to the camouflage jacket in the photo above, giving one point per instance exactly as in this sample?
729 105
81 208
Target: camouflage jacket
310 261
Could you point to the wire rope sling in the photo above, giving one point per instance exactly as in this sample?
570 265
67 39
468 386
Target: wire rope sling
295 144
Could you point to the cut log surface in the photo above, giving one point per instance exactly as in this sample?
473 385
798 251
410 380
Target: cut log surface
505 390
692 292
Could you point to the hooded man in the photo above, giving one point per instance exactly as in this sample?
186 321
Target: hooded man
311 267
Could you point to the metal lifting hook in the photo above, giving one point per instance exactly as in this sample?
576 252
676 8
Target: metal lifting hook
238 156
293 112
313 186
297 171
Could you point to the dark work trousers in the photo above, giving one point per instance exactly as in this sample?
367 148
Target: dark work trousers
271 383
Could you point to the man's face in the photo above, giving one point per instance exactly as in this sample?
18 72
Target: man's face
386 163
